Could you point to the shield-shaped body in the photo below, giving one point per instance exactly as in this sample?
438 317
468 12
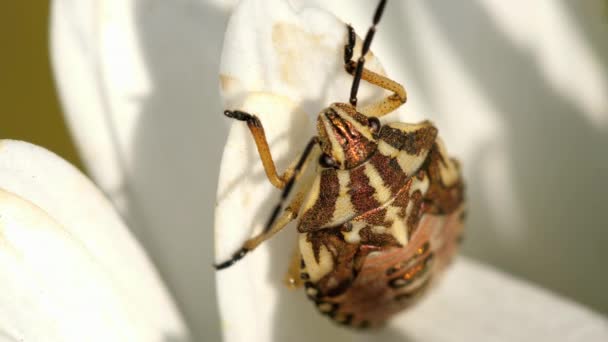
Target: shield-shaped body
374 237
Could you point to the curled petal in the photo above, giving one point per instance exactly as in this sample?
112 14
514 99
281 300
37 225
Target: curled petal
138 84
69 268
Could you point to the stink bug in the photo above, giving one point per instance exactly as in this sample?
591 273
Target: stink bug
384 213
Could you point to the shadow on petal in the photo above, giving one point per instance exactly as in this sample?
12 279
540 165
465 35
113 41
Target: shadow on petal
176 151
556 158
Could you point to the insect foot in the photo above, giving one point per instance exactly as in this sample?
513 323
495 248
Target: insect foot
242 116
235 257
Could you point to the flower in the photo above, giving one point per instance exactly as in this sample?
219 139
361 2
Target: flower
138 82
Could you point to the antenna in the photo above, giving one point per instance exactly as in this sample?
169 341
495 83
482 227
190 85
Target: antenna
366 44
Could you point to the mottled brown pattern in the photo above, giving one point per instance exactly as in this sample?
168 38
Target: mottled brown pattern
361 192
379 240
414 217
392 136
366 289
402 200
323 138
376 217
330 238
419 140
343 255
374 295
441 199
323 209
360 118
357 148
390 172
341 277
411 142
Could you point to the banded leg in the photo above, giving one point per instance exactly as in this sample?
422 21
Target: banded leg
304 157
257 131
259 136
287 180
290 213
356 69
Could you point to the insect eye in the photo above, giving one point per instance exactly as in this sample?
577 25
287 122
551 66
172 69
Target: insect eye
373 123
328 161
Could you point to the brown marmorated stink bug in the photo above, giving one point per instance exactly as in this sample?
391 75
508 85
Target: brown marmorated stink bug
384 214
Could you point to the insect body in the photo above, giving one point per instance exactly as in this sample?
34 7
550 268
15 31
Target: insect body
383 215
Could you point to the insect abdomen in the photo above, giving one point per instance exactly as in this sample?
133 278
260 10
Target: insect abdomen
377 276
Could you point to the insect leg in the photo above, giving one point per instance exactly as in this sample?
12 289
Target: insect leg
275 222
387 104
356 68
290 213
289 186
257 131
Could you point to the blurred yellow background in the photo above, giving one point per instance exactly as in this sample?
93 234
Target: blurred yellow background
30 107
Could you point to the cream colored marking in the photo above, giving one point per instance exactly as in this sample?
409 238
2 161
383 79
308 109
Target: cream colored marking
374 254
332 249
382 193
325 307
378 229
335 146
398 229
449 174
408 208
408 127
313 195
311 291
353 236
399 282
411 163
344 209
422 185
387 150
315 270
358 126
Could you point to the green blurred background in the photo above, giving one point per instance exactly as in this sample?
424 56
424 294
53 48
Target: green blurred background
30 107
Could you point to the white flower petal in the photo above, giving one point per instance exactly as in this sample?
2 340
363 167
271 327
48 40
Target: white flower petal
292 43
69 268
473 302
138 81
